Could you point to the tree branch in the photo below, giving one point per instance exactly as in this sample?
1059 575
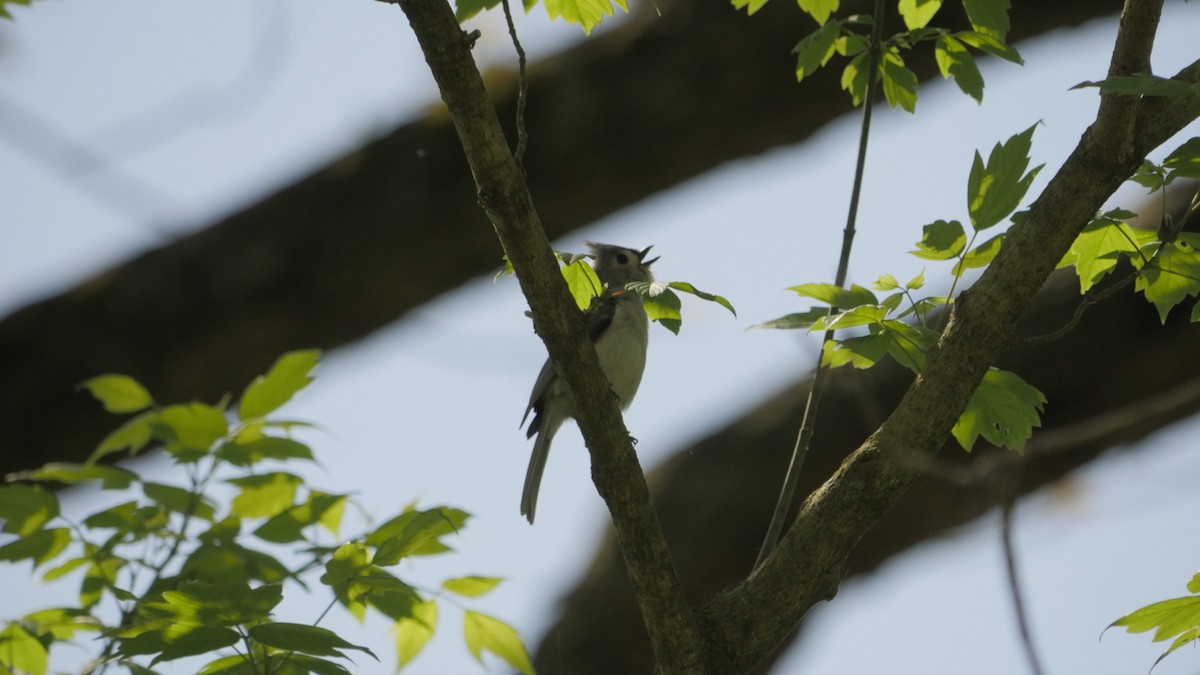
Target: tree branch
615 469
1131 55
840 512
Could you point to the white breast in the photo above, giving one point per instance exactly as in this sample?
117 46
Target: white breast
622 348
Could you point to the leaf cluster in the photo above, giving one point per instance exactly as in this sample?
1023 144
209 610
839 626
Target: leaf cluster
848 37
1004 409
170 570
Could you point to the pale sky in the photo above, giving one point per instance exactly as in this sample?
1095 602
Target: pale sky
427 409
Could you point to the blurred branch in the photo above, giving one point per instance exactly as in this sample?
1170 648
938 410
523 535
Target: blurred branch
361 241
124 194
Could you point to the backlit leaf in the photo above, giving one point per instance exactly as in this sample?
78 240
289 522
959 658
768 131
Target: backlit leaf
1174 274
414 632
26 508
995 189
471 587
941 240
289 374
485 632
1004 410
119 393
955 61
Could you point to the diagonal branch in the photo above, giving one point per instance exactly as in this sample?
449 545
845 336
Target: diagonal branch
505 197
840 512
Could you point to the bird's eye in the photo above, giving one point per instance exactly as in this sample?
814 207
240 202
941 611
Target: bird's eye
622 259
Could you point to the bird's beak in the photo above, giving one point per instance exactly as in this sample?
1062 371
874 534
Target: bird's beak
642 256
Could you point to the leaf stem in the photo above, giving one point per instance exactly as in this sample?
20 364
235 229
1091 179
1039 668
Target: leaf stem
807 426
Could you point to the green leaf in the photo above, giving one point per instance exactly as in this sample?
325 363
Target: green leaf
1004 410
863 315
1177 618
453 520
414 632
194 425
303 638
465 9
1143 84
688 288
40 547
197 640
899 83
61 623
585 13
99 576
989 17
289 374
132 436
837 297
249 453
906 344
20 651
264 495
860 352
941 240
955 61
1184 160
288 526
471 587
1150 176
909 343
996 189
855 77
485 632
918 13
802 320
751 6
26 508
420 535
819 9
583 283
815 50
220 603
916 282
990 44
116 517
1100 246
664 308
179 500
1173 274
347 563
111 477
981 255
886 282
119 393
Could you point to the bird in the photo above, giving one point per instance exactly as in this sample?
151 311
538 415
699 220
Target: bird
619 328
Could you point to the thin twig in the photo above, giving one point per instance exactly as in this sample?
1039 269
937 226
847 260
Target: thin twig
522 88
804 438
1088 300
1007 499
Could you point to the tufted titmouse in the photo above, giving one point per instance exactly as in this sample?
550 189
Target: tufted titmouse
617 325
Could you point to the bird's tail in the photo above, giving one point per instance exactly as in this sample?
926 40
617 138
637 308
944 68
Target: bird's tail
533 476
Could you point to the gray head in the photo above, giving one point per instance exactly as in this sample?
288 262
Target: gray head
617 265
